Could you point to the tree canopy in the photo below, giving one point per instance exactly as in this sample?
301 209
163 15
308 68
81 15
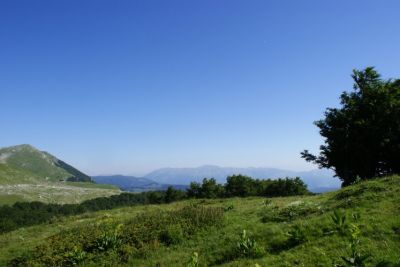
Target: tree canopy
362 137
245 186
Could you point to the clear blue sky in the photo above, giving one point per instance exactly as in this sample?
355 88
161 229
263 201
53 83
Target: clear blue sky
131 86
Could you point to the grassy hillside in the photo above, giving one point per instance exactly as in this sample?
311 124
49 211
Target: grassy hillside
27 174
41 165
290 231
10 175
62 192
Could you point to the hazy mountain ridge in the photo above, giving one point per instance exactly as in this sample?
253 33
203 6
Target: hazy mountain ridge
317 180
26 164
133 183
125 182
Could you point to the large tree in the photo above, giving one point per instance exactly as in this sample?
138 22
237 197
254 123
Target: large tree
362 137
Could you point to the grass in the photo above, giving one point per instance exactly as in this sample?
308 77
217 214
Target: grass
20 185
27 174
11 175
54 192
9 199
92 185
290 231
27 158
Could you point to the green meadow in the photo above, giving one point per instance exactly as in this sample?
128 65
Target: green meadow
358 223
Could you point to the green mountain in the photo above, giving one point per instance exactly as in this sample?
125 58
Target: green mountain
26 164
28 174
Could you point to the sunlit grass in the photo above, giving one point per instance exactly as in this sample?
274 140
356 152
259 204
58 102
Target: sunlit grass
375 203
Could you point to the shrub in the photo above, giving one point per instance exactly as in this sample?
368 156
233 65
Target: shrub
228 208
286 187
297 235
339 218
267 202
200 216
137 237
194 260
76 256
288 213
108 241
247 247
172 195
26 214
172 235
356 257
240 186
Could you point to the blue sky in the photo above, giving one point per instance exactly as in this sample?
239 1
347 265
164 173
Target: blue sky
131 86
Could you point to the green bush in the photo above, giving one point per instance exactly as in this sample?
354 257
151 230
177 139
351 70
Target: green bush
356 257
136 238
274 214
194 260
76 256
297 235
339 218
247 247
172 235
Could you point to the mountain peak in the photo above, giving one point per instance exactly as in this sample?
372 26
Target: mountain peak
39 164
21 147
209 166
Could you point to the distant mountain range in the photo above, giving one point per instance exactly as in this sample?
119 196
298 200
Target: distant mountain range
180 178
134 184
317 180
26 164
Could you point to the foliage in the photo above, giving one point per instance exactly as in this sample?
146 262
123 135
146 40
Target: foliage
273 213
240 186
362 138
76 256
172 195
136 237
244 186
228 208
339 218
356 257
31 213
297 235
286 187
208 189
247 247
109 240
26 214
194 260
165 235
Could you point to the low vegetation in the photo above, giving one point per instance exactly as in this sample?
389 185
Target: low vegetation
54 192
355 226
31 213
117 242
